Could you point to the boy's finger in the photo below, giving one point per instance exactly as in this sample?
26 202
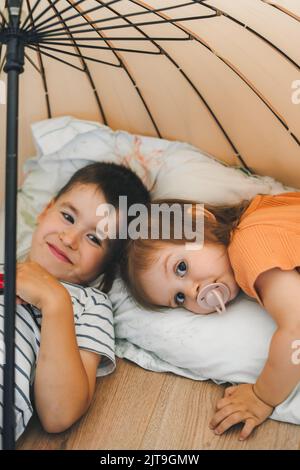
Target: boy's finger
19 301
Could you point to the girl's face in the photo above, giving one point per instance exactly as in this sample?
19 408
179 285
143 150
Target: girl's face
178 275
65 241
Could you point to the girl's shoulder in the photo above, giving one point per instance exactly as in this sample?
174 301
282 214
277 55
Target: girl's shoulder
271 208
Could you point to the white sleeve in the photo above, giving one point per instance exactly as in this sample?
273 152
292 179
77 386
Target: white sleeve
95 330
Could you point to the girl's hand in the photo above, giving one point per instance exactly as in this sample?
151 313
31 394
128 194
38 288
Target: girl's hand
240 404
35 285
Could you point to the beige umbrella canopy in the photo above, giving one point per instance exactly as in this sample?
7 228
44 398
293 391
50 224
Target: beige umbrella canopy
223 75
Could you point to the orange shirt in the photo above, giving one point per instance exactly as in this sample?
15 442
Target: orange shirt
267 236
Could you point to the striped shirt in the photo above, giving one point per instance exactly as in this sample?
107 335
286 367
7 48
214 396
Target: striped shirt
94 329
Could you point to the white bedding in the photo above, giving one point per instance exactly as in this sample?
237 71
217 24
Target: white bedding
225 348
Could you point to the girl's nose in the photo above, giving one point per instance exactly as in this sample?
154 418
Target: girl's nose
193 290
69 238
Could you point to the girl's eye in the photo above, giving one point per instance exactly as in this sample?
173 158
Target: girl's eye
181 269
68 217
179 298
94 239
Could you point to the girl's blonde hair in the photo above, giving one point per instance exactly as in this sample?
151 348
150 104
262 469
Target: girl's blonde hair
219 222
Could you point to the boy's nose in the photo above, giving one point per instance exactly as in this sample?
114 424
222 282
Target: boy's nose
69 238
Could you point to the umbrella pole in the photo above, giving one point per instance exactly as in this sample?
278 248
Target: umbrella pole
13 67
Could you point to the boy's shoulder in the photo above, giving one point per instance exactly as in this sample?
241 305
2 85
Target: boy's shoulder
85 292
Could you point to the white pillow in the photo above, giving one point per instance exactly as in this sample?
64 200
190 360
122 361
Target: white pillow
231 347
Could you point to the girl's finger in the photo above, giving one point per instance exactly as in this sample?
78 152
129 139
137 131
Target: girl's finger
223 402
229 390
221 415
247 429
231 420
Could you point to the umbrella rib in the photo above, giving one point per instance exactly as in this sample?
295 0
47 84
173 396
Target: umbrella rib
283 10
3 60
63 11
43 13
150 23
41 70
32 63
197 92
88 73
122 65
129 15
3 18
34 48
1 44
201 97
30 14
247 82
107 5
79 55
251 30
107 38
252 87
47 38
275 113
42 73
111 18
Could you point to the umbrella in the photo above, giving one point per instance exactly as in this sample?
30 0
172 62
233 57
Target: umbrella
222 75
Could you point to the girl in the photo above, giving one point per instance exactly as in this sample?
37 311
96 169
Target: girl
255 246
57 353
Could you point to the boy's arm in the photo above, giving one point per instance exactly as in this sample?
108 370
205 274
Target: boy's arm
280 293
65 376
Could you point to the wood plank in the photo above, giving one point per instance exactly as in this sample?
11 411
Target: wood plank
138 409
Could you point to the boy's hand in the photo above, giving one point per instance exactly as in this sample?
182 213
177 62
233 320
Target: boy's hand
240 404
35 285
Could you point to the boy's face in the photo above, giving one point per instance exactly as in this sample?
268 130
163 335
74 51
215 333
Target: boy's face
178 275
65 241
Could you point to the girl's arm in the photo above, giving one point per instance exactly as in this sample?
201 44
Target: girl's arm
65 376
252 404
280 293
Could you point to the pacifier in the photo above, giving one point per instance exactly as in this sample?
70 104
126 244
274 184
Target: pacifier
214 295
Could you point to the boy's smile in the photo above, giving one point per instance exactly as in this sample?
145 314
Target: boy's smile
58 253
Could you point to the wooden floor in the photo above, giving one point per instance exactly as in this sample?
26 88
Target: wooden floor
137 409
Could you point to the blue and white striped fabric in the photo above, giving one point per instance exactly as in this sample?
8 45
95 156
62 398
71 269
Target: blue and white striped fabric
94 331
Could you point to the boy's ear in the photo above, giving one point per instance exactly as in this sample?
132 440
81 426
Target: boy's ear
45 210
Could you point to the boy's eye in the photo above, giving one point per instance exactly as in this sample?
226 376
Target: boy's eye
68 217
95 239
179 298
181 269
